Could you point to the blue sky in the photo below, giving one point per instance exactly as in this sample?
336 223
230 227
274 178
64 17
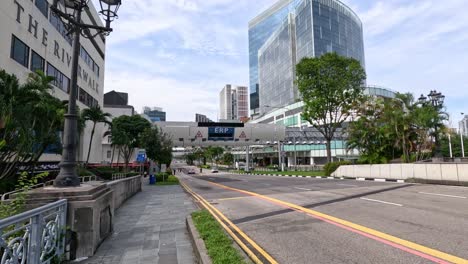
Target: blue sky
178 54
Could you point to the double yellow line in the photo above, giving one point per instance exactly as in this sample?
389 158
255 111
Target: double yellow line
220 218
408 246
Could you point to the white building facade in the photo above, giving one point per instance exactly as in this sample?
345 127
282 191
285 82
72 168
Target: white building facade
233 102
33 38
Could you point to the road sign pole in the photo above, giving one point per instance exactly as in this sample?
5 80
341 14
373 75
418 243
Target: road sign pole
247 159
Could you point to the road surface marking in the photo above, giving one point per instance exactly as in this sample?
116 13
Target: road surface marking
232 198
405 245
342 184
304 189
215 212
379 201
445 195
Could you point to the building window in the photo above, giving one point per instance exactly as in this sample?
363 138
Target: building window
60 80
37 62
89 61
109 154
43 6
19 51
60 26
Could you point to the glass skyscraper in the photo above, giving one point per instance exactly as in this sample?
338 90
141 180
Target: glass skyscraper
260 29
306 28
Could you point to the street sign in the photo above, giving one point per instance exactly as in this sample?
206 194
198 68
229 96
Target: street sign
221 133
163 167
242 135
141 157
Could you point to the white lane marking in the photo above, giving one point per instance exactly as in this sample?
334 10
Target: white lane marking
360 179
379 180
445 195
351 185
304 189
378 201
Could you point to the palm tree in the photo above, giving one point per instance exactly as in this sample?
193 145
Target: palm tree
95 115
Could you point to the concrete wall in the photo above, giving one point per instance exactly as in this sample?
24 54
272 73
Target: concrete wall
124 189
431 171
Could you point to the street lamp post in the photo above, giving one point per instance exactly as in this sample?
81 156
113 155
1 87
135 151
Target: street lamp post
436 100
461 139
70 11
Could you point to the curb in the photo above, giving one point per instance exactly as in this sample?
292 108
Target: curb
198 245
325 177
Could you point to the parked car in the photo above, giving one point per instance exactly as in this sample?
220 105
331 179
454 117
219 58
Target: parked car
191 171
214 170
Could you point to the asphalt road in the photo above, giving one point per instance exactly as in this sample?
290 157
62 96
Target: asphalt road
428 216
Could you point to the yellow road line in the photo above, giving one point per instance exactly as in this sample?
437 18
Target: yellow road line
429 251
233 198
215 212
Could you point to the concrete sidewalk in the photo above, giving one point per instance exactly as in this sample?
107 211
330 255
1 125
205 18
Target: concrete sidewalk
150 228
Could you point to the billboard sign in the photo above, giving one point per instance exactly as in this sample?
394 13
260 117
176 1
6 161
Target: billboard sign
221 133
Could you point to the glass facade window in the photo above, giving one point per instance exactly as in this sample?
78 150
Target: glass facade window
276 68
60 26
260 29
37 62
60 80
89 61
312 28
43 6
291 121
86 98
19 51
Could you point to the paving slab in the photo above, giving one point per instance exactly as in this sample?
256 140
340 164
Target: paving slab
150 229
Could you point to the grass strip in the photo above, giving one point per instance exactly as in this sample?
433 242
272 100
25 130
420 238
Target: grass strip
171 180
218 244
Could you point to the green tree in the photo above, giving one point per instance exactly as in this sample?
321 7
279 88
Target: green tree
30 119
127 134
331 88
158 145
228 158
95 115
391 128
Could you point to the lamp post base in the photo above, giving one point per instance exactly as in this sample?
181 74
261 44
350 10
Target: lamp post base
67 176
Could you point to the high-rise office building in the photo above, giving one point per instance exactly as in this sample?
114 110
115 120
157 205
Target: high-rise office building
260 29
154 114
202 118
306 28
233 102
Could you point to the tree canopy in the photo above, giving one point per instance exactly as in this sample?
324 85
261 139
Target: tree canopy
127 134
331 88
30 119
398 128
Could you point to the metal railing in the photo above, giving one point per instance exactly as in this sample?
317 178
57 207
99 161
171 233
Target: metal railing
119 176
34 237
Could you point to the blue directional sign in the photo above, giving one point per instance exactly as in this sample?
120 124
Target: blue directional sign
221 133
141 157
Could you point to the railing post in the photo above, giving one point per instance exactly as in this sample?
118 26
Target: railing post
63 229
34 248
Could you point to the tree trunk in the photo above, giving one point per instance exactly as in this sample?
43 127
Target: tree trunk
329 155
90 143
118 160
112 157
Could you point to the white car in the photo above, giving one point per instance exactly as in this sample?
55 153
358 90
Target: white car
214 170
